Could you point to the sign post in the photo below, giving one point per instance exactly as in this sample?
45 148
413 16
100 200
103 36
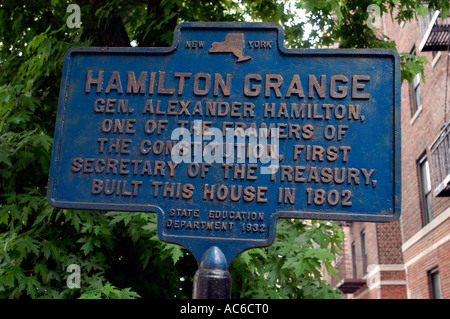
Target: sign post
212 279
226 131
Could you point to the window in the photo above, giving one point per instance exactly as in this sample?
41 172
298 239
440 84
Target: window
425 190
416 100
364 251
354 260
440 161
435 285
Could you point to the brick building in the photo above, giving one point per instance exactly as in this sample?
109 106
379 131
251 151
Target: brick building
410 258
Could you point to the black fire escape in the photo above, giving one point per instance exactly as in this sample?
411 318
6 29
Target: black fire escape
435 33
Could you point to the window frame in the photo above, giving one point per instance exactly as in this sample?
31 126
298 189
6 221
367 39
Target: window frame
364 251
426 190
416 97
354 265
434 283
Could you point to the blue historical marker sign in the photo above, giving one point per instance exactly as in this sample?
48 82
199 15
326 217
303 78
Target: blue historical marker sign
226 131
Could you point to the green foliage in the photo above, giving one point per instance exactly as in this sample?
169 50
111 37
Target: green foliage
39 242
347 22
98 290
412 65
119 253
292 267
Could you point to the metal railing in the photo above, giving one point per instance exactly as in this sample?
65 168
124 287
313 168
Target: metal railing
434 32
440 161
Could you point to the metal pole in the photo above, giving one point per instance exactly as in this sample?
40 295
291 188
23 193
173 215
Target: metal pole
212 279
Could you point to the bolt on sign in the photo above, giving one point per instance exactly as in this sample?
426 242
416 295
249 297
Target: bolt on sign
226 131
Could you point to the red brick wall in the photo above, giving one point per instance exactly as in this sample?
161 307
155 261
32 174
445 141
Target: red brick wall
431 250
385 243
393 292
389 243
418 135
418 284
371 245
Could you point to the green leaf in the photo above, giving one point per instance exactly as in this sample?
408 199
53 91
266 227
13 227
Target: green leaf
4 157
127 293
89 243
422 11
174 251
26 244
43 140
33 286
72 216
50 249
245 257
46 213
118 217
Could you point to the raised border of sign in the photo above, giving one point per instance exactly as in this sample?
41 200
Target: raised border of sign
396 165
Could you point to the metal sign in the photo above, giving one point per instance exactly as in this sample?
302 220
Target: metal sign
226 131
